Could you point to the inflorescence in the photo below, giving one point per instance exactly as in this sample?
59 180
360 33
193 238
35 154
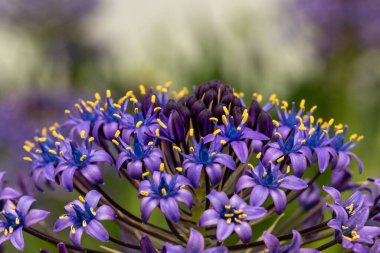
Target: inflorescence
224 176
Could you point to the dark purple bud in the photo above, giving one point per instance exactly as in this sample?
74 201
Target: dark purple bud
170 106
197 107
310 197
217 111
265 124
341 179
178 125
62 248
210 97
146 102
204 124
227 99
253 111
236 113
147 245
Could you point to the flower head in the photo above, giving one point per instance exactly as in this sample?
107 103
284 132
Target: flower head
269 180
165 191
230 215
83 216
17 217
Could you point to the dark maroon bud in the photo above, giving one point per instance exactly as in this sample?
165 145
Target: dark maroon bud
147 245
218 111
227 99
236 102
197 107
253 111
204 123
170 106
178 126
310 197
190 101
265 124
210 97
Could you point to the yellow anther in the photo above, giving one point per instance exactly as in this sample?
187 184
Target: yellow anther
128 148
228 207
280 180
122 100
360 138
71 206
108 93
350 207
182 186
157 132
10 230
161 123
82 134
311 131
265 173
116 115
224 120
177 148
61 153
129 94
223 142
153 99
237 220
144 193
228 221
117 134
278 135
159 87
216 132
258 156
214 119
41 139
136 110
162 166
57 143
302 104
226 110
281 159
53 152
5 232
244 119
303 141
38 151
73 230
288 169
191 132
164 192
27 148
243 216
81 199
228 215
213 154
179 169
238 128
44 131
142 89
353 137
312 110
150 143
339 131
67 111
276 123
82 158
115 142
138 124
257 96
84 224
250 166
191 149
97 96
302 127
157 108
239 211
285 103
338 126
11 206
331 122
311 119
145 174
17 221
63 217
92 211
117 106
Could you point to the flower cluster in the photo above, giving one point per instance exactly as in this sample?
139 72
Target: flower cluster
221 175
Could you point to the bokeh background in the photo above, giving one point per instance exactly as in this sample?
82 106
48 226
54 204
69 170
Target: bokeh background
54 51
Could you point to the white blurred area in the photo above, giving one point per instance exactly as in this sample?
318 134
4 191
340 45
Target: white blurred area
248 43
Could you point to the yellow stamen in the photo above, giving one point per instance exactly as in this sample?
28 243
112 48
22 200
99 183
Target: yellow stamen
224 120
97 96
115 142
117 106
278 135
150 143
5 232
142 89
10 230
81 199
243 216
312 110
228 221
128 148
117 134
214 119
237 220
162 167
213 154
161 123
82 158
84 224
179 169
226 110
82 134
223 142
302 104
288 169
331 122
153 99
138 124
353 137
191 149
63 217
164 192
67 111
280 180
92 211
27 158
61 153
238 211
116 115
339 131
57 143
168 84
281 159
311 119
228 215
157 108
73 230
228 207
360 138
276 123
12 207
17 221
311 131
251 166
191 132
108 93
177 148
53 152
258 156
145 174
216 132
144 193
157 132
238 128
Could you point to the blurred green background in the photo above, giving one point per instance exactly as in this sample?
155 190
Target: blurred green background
53 52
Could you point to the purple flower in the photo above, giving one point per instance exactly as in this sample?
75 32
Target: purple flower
268 180
83 216
15 218
138 156
310 197
230 215
292 151
7 193
352 230
165 191
81 158
194 245
351 205
61 248
235 135
211 159
344 155
273 244
147 245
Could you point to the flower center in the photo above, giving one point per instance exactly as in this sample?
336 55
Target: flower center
231 214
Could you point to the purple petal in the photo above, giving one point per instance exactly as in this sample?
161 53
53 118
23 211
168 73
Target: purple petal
92 173
218 200
258 195
24 204
214 172
279 200
105 212
299 163
241 150
360 163
9 193
34 216
194 174
60 225
67 178
97 231
92 198
62 248
224 230
254 213
271 155
195 243
272 243
334 193
185 197
77 237
253 135
237 202
343 160
244 182
170 209
209 217
225 160
220 249
134 169
147 245
120 161
323 157
169 248
109 130
101 156
146 207
293 183
244 232
17 239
